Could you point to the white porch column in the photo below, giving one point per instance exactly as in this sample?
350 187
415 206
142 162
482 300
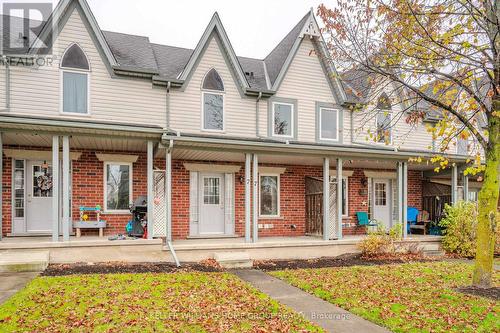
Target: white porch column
168 190
1 184
150 189
326 198
466 187
65 188
255 179
454 181
405 199
339 197
400 191
248 194
55 188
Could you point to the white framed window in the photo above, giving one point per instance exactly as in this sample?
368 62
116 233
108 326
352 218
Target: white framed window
383 121
269 195
282 119
212 115
75 81
117 187
462 146
345 194
328 124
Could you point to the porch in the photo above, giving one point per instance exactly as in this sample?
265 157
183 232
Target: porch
96 249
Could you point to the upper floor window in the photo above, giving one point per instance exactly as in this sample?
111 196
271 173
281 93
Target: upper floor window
75 81
383 119
328 124
462 146
213 102
282 117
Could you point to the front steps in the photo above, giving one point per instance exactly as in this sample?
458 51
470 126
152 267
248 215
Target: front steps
23 261
233 259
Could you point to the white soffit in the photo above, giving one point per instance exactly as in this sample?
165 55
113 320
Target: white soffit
117 158
381 174
345 173
22 154
222 168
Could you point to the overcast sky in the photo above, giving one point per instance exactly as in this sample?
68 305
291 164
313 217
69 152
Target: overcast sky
254 27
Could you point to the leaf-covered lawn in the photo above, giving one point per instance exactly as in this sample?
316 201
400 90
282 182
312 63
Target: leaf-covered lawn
413 297
179 302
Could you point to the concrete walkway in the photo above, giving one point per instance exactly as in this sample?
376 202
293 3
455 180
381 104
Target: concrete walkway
11 283
316 310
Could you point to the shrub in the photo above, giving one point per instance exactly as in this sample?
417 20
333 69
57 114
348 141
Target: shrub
375 244
380 241
459 228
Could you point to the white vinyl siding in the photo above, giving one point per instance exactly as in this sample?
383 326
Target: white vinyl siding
185 106
112 99
306 82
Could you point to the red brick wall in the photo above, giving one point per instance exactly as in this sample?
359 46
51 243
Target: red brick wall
88 190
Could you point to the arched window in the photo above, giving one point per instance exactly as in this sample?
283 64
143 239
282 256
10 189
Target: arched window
75 80
213 81
384 119
213 102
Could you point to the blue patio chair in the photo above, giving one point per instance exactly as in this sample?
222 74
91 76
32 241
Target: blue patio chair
363 219
411 217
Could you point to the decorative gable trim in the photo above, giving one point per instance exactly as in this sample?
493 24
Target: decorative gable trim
215 27
63 10
311 29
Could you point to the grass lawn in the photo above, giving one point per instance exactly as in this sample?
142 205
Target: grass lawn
174 302
413 297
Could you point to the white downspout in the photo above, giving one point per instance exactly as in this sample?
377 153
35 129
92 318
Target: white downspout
167 106
257 132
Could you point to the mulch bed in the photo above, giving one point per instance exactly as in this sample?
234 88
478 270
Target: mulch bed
121 267
492 293
345 260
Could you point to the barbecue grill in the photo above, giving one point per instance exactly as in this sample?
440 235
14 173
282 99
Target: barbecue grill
139 210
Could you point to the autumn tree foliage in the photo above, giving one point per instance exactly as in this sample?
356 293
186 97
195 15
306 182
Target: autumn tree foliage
440 60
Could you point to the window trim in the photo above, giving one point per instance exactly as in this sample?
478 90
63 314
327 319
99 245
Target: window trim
61 92
346 178
292 117
264 174
105 188
321 138
389 112
213 92
205 76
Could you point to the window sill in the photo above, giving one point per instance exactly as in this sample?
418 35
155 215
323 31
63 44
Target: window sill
271 218
74 114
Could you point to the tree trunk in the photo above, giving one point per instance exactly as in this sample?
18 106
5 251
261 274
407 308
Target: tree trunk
488 204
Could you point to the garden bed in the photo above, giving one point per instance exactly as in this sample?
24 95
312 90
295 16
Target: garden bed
345 260
123 267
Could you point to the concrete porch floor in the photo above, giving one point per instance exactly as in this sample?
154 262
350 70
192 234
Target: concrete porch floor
95 249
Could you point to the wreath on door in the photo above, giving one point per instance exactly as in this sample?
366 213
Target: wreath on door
44 183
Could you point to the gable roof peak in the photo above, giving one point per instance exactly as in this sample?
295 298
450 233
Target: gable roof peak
215 24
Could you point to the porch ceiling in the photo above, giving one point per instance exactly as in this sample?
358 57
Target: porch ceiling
222 155
76 142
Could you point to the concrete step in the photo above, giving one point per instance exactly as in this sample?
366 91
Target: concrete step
431 247
233 259
23 261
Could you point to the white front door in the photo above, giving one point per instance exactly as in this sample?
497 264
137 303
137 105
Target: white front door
382 202
39 197
211 203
